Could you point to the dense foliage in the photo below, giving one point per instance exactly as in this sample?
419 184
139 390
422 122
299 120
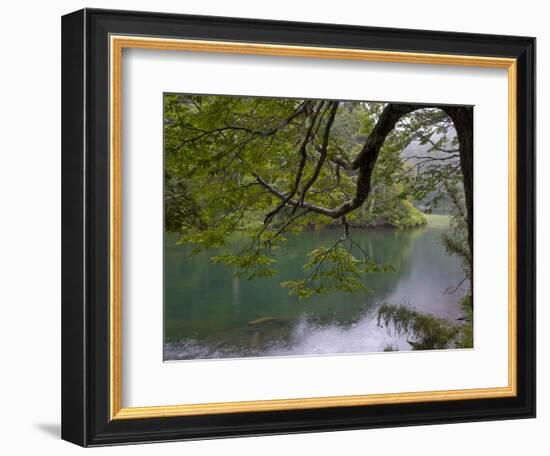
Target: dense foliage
425 331
262 168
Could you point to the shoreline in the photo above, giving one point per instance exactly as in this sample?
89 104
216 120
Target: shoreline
432 220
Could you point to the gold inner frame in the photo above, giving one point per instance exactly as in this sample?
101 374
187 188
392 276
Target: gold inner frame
117 44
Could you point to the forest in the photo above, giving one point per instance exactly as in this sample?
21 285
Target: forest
247 178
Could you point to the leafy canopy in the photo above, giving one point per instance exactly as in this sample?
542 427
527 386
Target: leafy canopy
261 168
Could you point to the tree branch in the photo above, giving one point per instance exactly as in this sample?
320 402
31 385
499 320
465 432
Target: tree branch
303 152
323 153
365 161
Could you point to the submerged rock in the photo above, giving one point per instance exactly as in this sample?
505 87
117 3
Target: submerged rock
265 320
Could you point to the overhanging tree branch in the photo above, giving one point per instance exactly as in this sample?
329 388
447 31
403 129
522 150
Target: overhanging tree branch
303 153
322 152
365 161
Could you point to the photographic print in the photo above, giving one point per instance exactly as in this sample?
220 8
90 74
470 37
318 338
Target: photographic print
239 192
315 227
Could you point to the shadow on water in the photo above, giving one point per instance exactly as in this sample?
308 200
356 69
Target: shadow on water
211 314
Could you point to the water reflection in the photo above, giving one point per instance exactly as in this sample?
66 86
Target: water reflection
211 314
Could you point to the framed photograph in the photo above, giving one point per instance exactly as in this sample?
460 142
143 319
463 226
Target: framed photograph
279 227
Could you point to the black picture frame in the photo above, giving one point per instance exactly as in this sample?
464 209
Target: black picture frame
85 223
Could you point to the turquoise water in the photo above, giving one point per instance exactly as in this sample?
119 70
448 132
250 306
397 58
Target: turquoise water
211 314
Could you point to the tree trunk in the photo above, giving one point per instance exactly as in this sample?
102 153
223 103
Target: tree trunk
463 120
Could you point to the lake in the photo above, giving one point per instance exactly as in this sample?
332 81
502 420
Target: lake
208 313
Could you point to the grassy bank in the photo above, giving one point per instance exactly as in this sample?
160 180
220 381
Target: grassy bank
438 220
